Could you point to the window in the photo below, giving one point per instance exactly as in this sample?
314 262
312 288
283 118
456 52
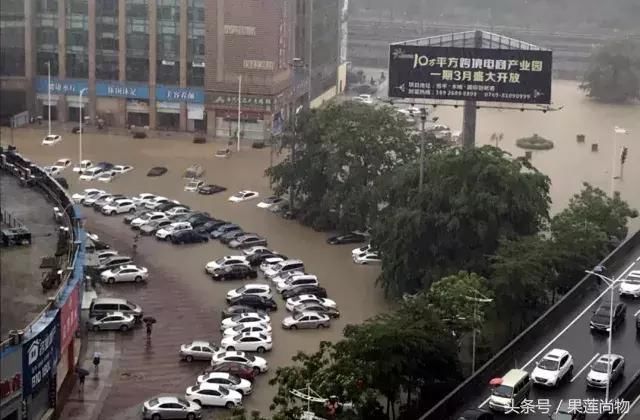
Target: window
47 6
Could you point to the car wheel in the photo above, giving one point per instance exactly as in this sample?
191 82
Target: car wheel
96 328
260 349
189 358
155 417
111 280
569 374
138 279
320 326
112 213
124 328
192 416
229 405
231 348
294 327
256 370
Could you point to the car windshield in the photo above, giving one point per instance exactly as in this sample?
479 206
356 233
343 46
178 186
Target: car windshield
250 357
193 184
183 402
223 390
548 364
241 289
117 270
298 316
601 367
632 280
234 380
502 391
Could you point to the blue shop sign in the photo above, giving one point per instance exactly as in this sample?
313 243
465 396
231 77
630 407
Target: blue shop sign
60 87
122 90
178 94
40 355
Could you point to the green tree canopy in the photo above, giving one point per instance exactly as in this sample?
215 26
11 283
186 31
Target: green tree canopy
471 199
614 72
342 152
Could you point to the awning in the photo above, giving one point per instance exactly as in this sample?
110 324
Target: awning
74 101
195 111
168 107
45 99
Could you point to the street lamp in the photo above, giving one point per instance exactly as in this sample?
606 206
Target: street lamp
598 273
478 298
423 121
82 91
616 130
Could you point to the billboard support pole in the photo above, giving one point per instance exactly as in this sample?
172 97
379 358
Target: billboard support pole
470 110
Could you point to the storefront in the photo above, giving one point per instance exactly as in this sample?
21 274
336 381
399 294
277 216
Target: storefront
116 97
170 111
52 97
196 120
137 113
11 383
168 114
255 116
45 102
74 105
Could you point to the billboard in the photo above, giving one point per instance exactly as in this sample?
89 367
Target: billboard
39 356
476 74
69 317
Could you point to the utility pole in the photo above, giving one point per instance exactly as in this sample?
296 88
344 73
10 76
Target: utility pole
49 93
239 108
423 121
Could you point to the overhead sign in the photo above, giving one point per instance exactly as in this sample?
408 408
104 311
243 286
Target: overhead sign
177 94
122 90
478 74
39 356
60 86
223 100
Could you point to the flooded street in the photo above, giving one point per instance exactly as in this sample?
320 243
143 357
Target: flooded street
194 310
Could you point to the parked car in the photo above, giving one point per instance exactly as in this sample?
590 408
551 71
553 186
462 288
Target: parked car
248 318
257 302
193 171
331 312
51 139
157 171
119 206
148 217
113 262
168 205
62 163
87 193
198 350
227 380
223 229
243 195
367 258
102 306
210 189
198 219
174 209
630 286
233 310
89 200
234 368
213 395
606 370
258 289
85 164
105 254
112 321
210 226
125 273
151 228
230 236
226 261
242 329
297 280
188 237
170 407
252 341
143 198
91 174
122 169
362 250
294 302
258 259
106 199
157 202
347 238
283 267
234 272
600 321
258 364
259 249
132 216
53 170
193 185
555 367
167 232
302 320
247 240
305 290
108 176
269 202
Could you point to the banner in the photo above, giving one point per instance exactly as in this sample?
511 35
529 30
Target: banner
39 356
69 318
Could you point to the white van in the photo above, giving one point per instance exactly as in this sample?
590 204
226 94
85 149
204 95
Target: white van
510 390
91 174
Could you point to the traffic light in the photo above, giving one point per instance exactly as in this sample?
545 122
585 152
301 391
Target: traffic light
623 155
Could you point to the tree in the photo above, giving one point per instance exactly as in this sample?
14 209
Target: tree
342 152
471 199
614 72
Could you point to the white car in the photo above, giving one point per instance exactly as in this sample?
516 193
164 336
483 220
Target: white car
361 250
269 202
198 350
630 286
91 174
53 170
177 210
213 395
553 368
295 302
255 250
302 320
103 254
122 169
227 380
125 273
267 263
166 232
84 165
108 176
225 261
80 197
243 195
193 185
247 319
258 364
89 200
282 278
143 198
257 289
123 205
51 139
149 217
262 328
367 258
63 163
297 280
252 341
155 202
605 371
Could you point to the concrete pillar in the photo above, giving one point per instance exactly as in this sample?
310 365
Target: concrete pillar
91 109
211 122
153 60
62 57
122 56
30 55
184 28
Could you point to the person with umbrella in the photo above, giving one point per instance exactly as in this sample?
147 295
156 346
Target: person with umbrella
96 360
82 373
149 321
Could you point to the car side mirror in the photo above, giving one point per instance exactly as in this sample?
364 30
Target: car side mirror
537 363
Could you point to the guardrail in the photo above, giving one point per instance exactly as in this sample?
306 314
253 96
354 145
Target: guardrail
629 393
505 359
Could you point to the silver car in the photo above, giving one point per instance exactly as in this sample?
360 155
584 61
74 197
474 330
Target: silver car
170 407
198 350
598 376
306 320
112 321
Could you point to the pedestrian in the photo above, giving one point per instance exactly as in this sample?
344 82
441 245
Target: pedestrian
135 243
96 361
149 328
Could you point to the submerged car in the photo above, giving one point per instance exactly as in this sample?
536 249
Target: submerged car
210 189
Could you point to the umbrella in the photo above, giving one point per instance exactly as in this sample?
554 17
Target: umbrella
149 320
82 371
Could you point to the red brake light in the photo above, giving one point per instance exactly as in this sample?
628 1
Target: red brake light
495 382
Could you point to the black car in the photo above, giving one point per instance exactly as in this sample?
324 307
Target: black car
198 219
305 289
188 237
240 309
210 226
234 272
157 171
180 217
348 238
601 316
230 236
130 217
258 258
221 230
476 414
210 189
321 309
256 302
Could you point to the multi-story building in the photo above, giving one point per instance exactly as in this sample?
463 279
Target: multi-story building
168 64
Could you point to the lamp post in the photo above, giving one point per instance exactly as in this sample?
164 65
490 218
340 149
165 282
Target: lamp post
49 95
82 91
616 130
423 134
612 283
476 299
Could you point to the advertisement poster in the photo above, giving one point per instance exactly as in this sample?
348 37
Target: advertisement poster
39 356
69 316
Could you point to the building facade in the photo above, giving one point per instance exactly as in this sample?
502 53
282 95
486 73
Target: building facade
167 64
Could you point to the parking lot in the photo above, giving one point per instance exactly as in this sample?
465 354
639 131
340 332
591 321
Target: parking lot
185 301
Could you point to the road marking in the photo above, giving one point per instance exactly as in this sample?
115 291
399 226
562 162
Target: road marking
584 367
571 323
631 406
638 312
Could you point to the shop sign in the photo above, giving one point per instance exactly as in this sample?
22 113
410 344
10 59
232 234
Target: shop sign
258 65
60 86
11 371
239 30
69 317
122 90
40 355
231 101
177 94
